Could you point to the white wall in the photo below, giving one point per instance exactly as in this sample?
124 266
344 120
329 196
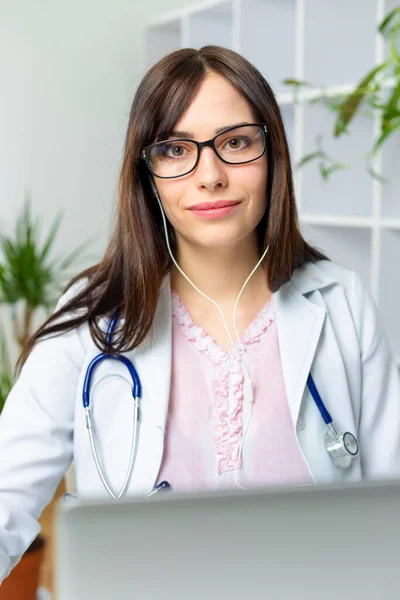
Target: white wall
68 73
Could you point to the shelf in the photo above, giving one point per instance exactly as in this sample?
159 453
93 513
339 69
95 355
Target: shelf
390 190
345 221
347 191
349 247
304 95
337 220
389 288
288 122
268 38
351 217
211 26
339 40
183 12
162 39
284 99
390 223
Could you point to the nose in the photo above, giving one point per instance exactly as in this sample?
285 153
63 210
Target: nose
210 172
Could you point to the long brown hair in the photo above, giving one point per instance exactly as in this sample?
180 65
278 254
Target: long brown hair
129 276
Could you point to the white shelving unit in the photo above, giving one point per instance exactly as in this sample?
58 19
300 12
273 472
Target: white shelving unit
353 218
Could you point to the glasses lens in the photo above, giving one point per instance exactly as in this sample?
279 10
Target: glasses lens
240 145
172 158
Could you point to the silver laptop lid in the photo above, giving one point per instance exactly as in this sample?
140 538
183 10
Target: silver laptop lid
314 542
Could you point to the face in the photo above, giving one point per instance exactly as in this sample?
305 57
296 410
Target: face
217 104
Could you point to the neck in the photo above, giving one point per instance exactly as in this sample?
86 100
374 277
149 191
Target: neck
220 274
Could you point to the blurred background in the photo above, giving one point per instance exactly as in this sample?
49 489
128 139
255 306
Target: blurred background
68 74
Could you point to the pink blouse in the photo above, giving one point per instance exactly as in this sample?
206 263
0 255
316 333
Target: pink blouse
208 410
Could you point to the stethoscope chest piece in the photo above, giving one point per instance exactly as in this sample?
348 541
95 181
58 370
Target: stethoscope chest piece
342 447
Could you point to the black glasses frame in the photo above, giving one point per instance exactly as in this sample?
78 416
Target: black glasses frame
145 155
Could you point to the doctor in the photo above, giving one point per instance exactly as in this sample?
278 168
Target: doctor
210 291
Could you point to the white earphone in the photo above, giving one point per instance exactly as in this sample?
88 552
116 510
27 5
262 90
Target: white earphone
241 354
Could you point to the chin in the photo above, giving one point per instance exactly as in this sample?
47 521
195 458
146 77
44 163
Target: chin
218 240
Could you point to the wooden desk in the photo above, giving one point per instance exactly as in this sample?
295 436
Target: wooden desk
46 522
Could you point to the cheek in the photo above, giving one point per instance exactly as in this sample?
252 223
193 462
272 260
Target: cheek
171 195
253 181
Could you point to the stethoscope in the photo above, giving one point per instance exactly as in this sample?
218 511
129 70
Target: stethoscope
136 393
341 447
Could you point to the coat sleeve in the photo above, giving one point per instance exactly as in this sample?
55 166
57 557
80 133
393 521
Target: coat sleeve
36 436
379 429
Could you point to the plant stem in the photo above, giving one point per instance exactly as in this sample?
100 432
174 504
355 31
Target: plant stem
28 313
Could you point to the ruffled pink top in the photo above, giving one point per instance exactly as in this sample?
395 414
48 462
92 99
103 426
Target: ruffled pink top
209 409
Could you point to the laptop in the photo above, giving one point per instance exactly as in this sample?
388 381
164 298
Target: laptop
312 542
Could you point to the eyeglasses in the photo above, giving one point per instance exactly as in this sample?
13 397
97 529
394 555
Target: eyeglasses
234 146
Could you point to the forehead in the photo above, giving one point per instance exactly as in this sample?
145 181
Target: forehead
216 104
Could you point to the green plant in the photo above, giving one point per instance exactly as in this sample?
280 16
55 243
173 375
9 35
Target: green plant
30 277
377 95
6 375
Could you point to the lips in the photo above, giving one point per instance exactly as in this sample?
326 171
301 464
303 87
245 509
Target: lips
213 205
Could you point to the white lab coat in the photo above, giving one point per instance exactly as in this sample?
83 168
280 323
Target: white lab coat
327 324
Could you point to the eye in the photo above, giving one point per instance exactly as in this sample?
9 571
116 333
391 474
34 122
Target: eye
175 150
237 143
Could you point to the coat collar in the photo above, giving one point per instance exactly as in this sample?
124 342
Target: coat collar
311 277
299 322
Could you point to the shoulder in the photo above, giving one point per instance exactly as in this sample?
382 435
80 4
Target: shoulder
72 292
333 281
342 290
328 277
324 274
69 344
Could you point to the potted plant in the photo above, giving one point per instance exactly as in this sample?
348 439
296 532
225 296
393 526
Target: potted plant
30 281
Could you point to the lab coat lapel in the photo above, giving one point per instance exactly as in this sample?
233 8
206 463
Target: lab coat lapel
299 323
152 360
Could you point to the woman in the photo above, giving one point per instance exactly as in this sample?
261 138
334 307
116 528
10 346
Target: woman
206 205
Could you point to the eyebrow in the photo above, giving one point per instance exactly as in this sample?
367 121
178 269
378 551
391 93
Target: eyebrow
189 134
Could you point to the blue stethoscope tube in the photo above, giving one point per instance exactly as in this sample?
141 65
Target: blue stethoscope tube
341 447
137 386
318 400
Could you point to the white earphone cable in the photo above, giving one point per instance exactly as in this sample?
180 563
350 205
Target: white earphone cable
241 353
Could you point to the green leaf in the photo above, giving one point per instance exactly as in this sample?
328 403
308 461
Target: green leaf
389 116
351 104
296 82
51 237
376 175
326 172
392 109
386 133
309 157
384 27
